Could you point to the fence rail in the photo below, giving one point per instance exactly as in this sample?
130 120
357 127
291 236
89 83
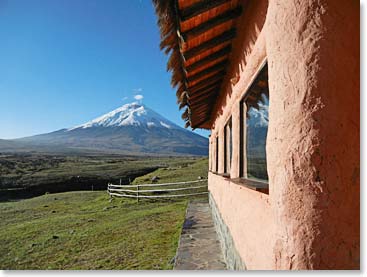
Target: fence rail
138 192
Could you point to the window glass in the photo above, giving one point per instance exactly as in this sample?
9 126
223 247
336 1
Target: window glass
257 119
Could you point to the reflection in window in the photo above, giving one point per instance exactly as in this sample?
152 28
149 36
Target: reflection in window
257 119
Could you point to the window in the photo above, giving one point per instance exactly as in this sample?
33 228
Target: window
210 155
257 130
254 120
228 146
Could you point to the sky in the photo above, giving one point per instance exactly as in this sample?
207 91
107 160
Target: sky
65 62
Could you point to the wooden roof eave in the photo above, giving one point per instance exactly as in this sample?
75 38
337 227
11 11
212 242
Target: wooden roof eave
211 23
198 66
223 38
199 8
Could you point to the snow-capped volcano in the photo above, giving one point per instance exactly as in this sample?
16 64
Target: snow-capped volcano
132 114
130 129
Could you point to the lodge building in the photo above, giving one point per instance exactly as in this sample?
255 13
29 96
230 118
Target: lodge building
277 84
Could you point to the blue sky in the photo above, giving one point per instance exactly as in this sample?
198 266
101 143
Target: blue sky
65 62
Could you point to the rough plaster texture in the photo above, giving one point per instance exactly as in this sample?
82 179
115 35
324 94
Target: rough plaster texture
313 138
310 219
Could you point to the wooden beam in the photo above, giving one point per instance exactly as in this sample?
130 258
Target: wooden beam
205 114
199 8
204 83
220 67
208 59
201 107
211 23
205 89
210 90
222 38
202 94
203 111
194 126
200 119
202 104
205 97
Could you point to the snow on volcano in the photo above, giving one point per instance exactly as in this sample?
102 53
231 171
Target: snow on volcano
132 114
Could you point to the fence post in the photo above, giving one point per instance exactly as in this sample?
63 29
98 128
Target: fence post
137 194
108 191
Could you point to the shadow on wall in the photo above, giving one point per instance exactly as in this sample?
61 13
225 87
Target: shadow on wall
253 17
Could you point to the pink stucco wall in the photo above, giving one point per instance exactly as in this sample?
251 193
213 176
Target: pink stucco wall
310 219
249 217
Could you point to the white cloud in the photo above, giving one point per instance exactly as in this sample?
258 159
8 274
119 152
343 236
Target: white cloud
138 97
125 98
137 90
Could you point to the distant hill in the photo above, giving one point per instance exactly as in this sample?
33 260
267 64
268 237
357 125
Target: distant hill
130 129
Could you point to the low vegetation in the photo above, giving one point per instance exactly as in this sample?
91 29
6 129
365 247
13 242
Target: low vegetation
28 175
177 172
85 230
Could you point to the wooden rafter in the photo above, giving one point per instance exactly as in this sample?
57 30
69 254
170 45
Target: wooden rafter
222 38
205 83
201 106
201 102
203 117
211 23
208 97
203 96
208 59
199 8
208 71
199 52
194 126
201 111
203 93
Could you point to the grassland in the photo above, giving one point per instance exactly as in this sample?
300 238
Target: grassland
185 170
84 230
28 175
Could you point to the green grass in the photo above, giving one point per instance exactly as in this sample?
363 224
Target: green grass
83 230
17 170
91 233
184 171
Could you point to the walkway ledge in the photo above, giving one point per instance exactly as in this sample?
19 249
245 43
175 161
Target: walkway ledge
199 247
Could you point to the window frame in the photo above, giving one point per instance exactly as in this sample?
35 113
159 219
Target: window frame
258 185
216 154
228 146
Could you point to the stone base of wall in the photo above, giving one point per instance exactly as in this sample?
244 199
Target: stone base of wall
231 256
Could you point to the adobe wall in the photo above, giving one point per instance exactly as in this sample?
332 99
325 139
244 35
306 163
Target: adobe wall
308 220
246 213
313 136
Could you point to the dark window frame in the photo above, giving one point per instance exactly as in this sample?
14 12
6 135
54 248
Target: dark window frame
228 146
225 150
216 154
258 185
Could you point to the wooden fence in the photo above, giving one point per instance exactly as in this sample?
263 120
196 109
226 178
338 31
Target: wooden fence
167 190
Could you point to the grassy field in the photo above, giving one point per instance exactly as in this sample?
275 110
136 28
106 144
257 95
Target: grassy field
28 175
83 230
184 171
